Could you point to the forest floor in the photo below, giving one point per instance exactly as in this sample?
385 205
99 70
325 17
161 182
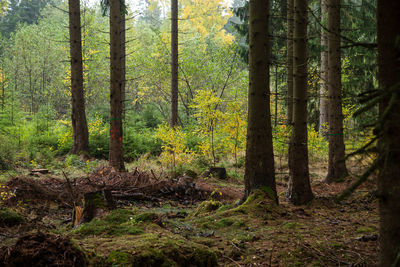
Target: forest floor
185 222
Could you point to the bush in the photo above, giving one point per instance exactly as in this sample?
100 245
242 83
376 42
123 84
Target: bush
137 143
8 149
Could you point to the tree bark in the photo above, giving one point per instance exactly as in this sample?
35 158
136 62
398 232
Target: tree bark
78 116
174 63
337 165
123 59
323 91
116 152
259 167
299 190
389 144
289 60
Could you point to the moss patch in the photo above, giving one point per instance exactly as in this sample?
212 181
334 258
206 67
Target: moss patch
9 217
258 203
205 207
153 249
117 223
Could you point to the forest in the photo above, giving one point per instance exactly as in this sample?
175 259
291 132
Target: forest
200 133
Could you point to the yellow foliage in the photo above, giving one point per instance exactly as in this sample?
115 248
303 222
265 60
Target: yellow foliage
174 148
96 127
206 15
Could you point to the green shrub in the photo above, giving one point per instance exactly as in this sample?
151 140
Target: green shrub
137 143
8 149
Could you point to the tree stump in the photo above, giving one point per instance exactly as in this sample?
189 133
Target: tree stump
95 203
219 172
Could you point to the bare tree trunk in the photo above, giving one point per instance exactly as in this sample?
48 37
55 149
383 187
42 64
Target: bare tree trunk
259 167
78 116
389 144
289 60
123 60
174 63
276 96
323 91
115 156
299 190
337 166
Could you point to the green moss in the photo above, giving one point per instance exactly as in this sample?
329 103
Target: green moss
205 207
119 258
225 207
173 253
258 201
118 222
290 225
239 224
224 222
9 217
153 249
365 229
145 217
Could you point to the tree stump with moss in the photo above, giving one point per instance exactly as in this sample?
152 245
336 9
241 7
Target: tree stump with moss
95 203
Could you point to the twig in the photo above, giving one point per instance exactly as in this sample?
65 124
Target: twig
235 262
236 246
152 172
270 257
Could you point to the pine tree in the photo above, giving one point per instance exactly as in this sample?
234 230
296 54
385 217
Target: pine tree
289 60
174 63
299 191
389 143
116 107
323 98
79 123
259 167
337 165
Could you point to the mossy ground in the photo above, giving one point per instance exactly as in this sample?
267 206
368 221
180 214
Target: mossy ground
10 217
257 233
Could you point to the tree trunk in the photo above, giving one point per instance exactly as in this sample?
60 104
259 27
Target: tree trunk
78 116
389 144
116 153
174 63
299 191
259 167
337 166
289 60
123 59
323 91
276 96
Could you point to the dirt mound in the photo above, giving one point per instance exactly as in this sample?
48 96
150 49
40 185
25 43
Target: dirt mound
42 249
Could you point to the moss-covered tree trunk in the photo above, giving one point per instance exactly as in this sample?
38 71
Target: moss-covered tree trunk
259 168
289 61
78 116
389 143
323 90
337 165
299 191
174 63
116 153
